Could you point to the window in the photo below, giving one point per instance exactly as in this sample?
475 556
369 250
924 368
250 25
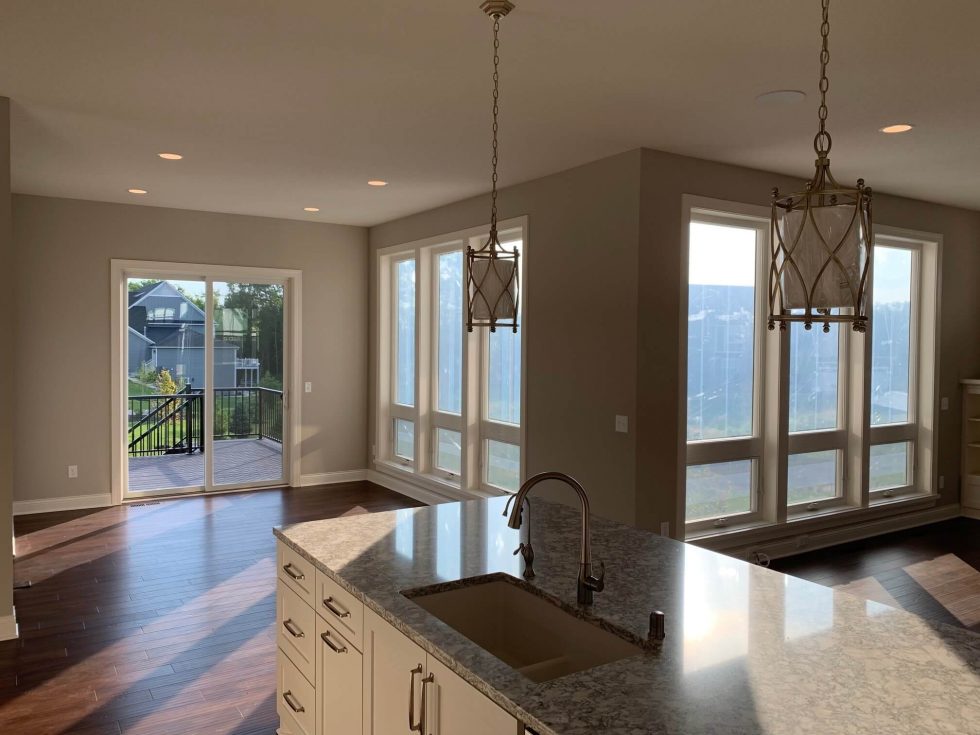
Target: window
724 359
451 400
782 425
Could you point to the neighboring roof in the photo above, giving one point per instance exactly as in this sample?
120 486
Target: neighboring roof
142 336
135 296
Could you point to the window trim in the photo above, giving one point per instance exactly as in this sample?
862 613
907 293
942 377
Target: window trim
470 423
854 435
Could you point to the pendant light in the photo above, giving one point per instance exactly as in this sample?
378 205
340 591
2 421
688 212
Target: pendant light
492 270
821 238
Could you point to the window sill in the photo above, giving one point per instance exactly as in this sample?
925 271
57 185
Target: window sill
440 486
827 519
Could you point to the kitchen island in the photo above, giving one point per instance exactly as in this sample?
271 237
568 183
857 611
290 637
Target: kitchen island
747 650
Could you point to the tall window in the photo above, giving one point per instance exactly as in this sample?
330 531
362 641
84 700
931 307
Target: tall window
451 400
783 425
723 347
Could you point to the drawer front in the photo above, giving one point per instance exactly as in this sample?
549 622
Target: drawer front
339 683
298 574
295 700
296 630
341 609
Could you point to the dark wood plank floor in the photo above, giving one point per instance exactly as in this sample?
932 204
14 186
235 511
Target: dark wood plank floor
933 571
157 618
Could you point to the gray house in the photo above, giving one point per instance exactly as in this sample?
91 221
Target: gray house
166 330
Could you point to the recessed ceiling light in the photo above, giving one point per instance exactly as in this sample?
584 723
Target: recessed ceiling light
898 128
137 191
377 182
170 156
311 209
781 97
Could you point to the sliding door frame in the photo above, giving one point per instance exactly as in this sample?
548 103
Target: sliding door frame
292 282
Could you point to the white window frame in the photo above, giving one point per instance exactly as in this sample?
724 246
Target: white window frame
713 451
854 434
471 423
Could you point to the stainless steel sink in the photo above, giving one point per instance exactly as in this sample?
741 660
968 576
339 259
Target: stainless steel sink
534 635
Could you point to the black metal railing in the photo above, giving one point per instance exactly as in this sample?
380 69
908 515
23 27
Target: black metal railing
174 424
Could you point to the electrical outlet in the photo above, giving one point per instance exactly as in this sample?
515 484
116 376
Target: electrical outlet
308 387
72 471
665 528
944 404
622 424
942 482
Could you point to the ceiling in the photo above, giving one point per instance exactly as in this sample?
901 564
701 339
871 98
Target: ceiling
279 105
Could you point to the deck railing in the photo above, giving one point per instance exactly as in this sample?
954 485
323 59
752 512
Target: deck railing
174 424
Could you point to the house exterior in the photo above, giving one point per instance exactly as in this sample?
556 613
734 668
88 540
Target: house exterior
166 330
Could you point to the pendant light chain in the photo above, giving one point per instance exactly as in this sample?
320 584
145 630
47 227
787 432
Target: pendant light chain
496 95
822 142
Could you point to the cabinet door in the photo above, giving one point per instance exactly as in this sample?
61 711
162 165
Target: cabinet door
454 706
338 683
393 671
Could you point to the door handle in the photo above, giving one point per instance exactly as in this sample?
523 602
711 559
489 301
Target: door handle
288 569
294 630
334 607
422 715
411 701
293 703
326 637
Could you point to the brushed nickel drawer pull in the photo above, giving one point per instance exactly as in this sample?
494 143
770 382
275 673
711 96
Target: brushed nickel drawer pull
294 630
411 701
335 608
288 569
293 703
331 645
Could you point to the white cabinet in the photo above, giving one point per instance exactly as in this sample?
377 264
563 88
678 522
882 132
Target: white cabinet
327 687
339 683
456 707
406 691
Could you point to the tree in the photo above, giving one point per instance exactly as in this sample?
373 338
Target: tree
165 383
241 423
259 309
146 374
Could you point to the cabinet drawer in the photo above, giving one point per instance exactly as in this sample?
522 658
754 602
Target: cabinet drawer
339 683
298 574
341 609
296 630
295 700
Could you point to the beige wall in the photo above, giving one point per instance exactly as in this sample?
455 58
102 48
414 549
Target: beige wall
666 178
581 301
61 261
6 369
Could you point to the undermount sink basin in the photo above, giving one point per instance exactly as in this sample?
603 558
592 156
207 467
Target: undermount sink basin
534 635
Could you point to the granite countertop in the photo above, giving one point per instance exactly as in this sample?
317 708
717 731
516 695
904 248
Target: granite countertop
748 650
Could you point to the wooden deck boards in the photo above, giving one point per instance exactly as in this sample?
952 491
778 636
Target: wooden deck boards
236 461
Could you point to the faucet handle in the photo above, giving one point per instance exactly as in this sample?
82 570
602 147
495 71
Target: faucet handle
527 554
597 582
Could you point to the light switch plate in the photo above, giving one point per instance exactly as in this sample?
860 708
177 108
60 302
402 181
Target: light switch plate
308 387
622 424
72 471
944 404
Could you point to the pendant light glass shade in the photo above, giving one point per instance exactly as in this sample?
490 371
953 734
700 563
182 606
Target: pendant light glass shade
492 272
821 239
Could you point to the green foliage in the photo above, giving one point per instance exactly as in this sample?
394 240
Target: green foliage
139 285
146 373
241 424
165 383
270 381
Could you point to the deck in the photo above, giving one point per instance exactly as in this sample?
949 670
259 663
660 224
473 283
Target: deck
236 461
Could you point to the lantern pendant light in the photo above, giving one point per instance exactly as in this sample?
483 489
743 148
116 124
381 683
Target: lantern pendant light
492 271
821 238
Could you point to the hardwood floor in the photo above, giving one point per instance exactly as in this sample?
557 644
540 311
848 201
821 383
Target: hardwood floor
933 571
156 618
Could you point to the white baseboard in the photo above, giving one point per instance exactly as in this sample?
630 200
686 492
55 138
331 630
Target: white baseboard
70 502
332 478
8 626
783 547
970 513
407 488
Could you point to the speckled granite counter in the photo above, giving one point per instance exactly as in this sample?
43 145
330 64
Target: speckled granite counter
748 650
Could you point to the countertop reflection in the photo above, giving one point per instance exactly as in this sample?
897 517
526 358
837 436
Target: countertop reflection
748 650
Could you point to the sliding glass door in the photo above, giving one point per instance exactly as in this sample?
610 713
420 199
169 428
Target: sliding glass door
204 363
247 393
